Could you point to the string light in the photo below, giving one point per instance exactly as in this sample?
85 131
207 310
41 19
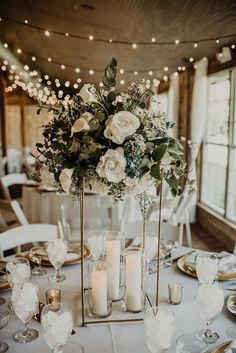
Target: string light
165 78
217 41
75 85
47 33
49 60
233 46
33 58
91 37
77 70
26 67
166 68
122 71
91 72
63 67
153 40
19 51
46 77
122 82
150 73
110 40
177 41
5 45
191 59
195 45
67 34
136 73
26 21
67 84
134 46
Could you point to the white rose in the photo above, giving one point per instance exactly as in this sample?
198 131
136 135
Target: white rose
87 93
65 179
112 165
81 124
121 125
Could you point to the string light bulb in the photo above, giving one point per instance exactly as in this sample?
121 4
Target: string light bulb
110 41
77 70
91 37
26 22
135 72
122 82
177 41
5 45
19 51
67 84
191 59
166 68
33 58
49 60
67 34
233 46
195 45
76 85
134 46
26 67
47 33
46 77
165 78
150 73
217 41
122 71
153 40
79 80
91 72
63 67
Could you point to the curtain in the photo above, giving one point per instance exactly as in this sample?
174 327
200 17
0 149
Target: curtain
173 102
198 120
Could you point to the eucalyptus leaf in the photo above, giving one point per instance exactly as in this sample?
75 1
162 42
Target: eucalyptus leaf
159 152
155 171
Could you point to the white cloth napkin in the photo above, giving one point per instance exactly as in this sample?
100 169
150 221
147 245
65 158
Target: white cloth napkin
226 260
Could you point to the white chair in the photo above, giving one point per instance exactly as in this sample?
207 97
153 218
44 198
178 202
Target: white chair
30 233
19 213
168 231
10 180
3 223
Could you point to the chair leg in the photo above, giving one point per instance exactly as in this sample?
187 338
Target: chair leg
188 232
181 231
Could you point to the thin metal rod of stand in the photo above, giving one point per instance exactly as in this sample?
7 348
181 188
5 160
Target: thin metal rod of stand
144 233
82 248
159 247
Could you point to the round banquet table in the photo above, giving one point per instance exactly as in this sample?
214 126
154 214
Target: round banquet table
119 337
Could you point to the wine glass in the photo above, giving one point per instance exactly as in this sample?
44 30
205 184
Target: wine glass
37 253
206 267
159 327
57 251
210 302
3 282
25 304
18 271
231 305
189 343
4 319
57 324
96 244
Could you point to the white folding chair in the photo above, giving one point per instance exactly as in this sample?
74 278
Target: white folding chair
31 233
168 231
10 180
19 213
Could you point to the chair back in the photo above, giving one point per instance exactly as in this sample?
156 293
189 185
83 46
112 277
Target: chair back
19 213
11 180
168 231
16 237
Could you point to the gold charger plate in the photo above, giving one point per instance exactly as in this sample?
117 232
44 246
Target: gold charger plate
222 347
190 271
75 250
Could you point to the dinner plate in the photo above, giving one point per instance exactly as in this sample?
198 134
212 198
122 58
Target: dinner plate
231 303
221 348
191 272
73 257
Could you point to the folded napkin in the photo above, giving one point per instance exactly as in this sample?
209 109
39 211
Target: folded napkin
226 260
231 348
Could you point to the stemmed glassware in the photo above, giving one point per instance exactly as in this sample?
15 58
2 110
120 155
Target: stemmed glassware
57 251
206 267
25 304
151 252
189 343
159 327
37 253
210 302
57 324
4 318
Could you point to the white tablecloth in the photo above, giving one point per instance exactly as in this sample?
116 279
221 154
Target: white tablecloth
44 207
119 337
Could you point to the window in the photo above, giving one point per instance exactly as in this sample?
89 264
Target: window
218 189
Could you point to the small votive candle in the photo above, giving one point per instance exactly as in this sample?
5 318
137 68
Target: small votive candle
175 293
53 296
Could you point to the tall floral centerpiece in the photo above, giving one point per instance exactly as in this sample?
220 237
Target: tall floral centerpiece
112 140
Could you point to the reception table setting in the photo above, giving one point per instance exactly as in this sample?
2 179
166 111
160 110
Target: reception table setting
183 303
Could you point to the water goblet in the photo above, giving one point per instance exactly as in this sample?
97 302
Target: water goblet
231 305
210 302
4 319
206 267
57 324
96 244
3 281
189 343
25 304
37 253
57 251
18 272
159 327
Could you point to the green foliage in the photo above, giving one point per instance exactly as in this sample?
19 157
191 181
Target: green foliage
109 78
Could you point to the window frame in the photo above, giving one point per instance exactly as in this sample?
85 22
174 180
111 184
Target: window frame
230 145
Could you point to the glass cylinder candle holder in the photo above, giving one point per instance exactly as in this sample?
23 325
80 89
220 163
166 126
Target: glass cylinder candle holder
135 290
99 290
114 247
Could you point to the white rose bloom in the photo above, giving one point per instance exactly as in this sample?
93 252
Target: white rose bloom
65 179
135 186
97 186
81 124
47 178
112 165
86 93
121 125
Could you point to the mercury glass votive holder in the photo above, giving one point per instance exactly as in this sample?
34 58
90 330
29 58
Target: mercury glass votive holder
175 291
53 296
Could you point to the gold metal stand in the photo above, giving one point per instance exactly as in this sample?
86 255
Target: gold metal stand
83 289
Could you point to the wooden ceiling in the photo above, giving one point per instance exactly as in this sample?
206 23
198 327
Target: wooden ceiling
129 20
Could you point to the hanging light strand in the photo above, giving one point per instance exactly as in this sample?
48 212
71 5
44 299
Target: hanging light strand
133 44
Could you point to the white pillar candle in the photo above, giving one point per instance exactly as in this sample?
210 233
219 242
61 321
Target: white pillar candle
99 292
113 260
133 282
